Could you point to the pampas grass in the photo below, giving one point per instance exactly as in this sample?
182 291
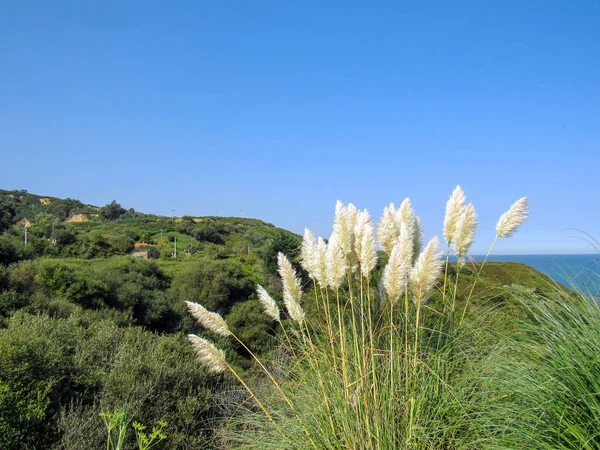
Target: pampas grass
464 232
212 358
210 320
512 219
426 271
292 292
395 275
454 209
270 307
368 369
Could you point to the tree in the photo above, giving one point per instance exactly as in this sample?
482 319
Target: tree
284 242
7 213
112 211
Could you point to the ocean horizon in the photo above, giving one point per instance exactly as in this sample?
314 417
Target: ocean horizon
575 271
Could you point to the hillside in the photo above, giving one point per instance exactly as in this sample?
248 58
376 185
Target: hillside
67 228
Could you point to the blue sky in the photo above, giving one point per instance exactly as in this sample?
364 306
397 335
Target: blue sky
277 109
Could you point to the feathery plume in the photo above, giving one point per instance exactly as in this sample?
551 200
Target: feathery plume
406 246
512 219
466 226
426 271
343 227
417 238
308 252
394 275
360 227
291 282
366 250
352 213
292 291
454 209
406 214
209 320
321 263
293 307
268 303
210 356
336 262
387 232
351 255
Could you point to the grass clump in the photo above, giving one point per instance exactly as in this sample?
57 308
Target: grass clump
550 377
373 365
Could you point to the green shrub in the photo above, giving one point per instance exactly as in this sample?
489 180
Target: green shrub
218 284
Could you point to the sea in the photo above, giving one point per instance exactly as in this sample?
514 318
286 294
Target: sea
578 272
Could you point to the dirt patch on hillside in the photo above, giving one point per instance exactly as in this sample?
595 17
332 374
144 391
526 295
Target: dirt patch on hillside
78 218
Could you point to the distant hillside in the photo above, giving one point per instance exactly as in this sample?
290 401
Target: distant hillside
68 228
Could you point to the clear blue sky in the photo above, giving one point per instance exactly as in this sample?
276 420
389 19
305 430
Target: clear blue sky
276 109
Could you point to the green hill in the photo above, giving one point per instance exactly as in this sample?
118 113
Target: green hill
70 229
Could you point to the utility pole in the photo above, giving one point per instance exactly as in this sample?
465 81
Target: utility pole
175 248
25 225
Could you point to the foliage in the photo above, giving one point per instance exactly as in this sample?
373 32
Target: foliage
38 374
112 211
79 324
116 424
116 428
220 284
146 441
282 242
63 370
545 385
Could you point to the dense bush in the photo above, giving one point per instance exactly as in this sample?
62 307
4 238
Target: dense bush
69 370
133 286
38 375
219 284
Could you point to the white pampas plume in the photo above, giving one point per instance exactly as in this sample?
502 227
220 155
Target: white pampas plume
387 231
268 303
454 209
292 290
417 238
512 219
394 275
209 320
343 226
293 307
291 282
351 255
210 356
336 263
352 213
364 243
426 271
406 214
308 253
405 244
466 226
321 263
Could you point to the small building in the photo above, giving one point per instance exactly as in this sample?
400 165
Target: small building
143 250
150 253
